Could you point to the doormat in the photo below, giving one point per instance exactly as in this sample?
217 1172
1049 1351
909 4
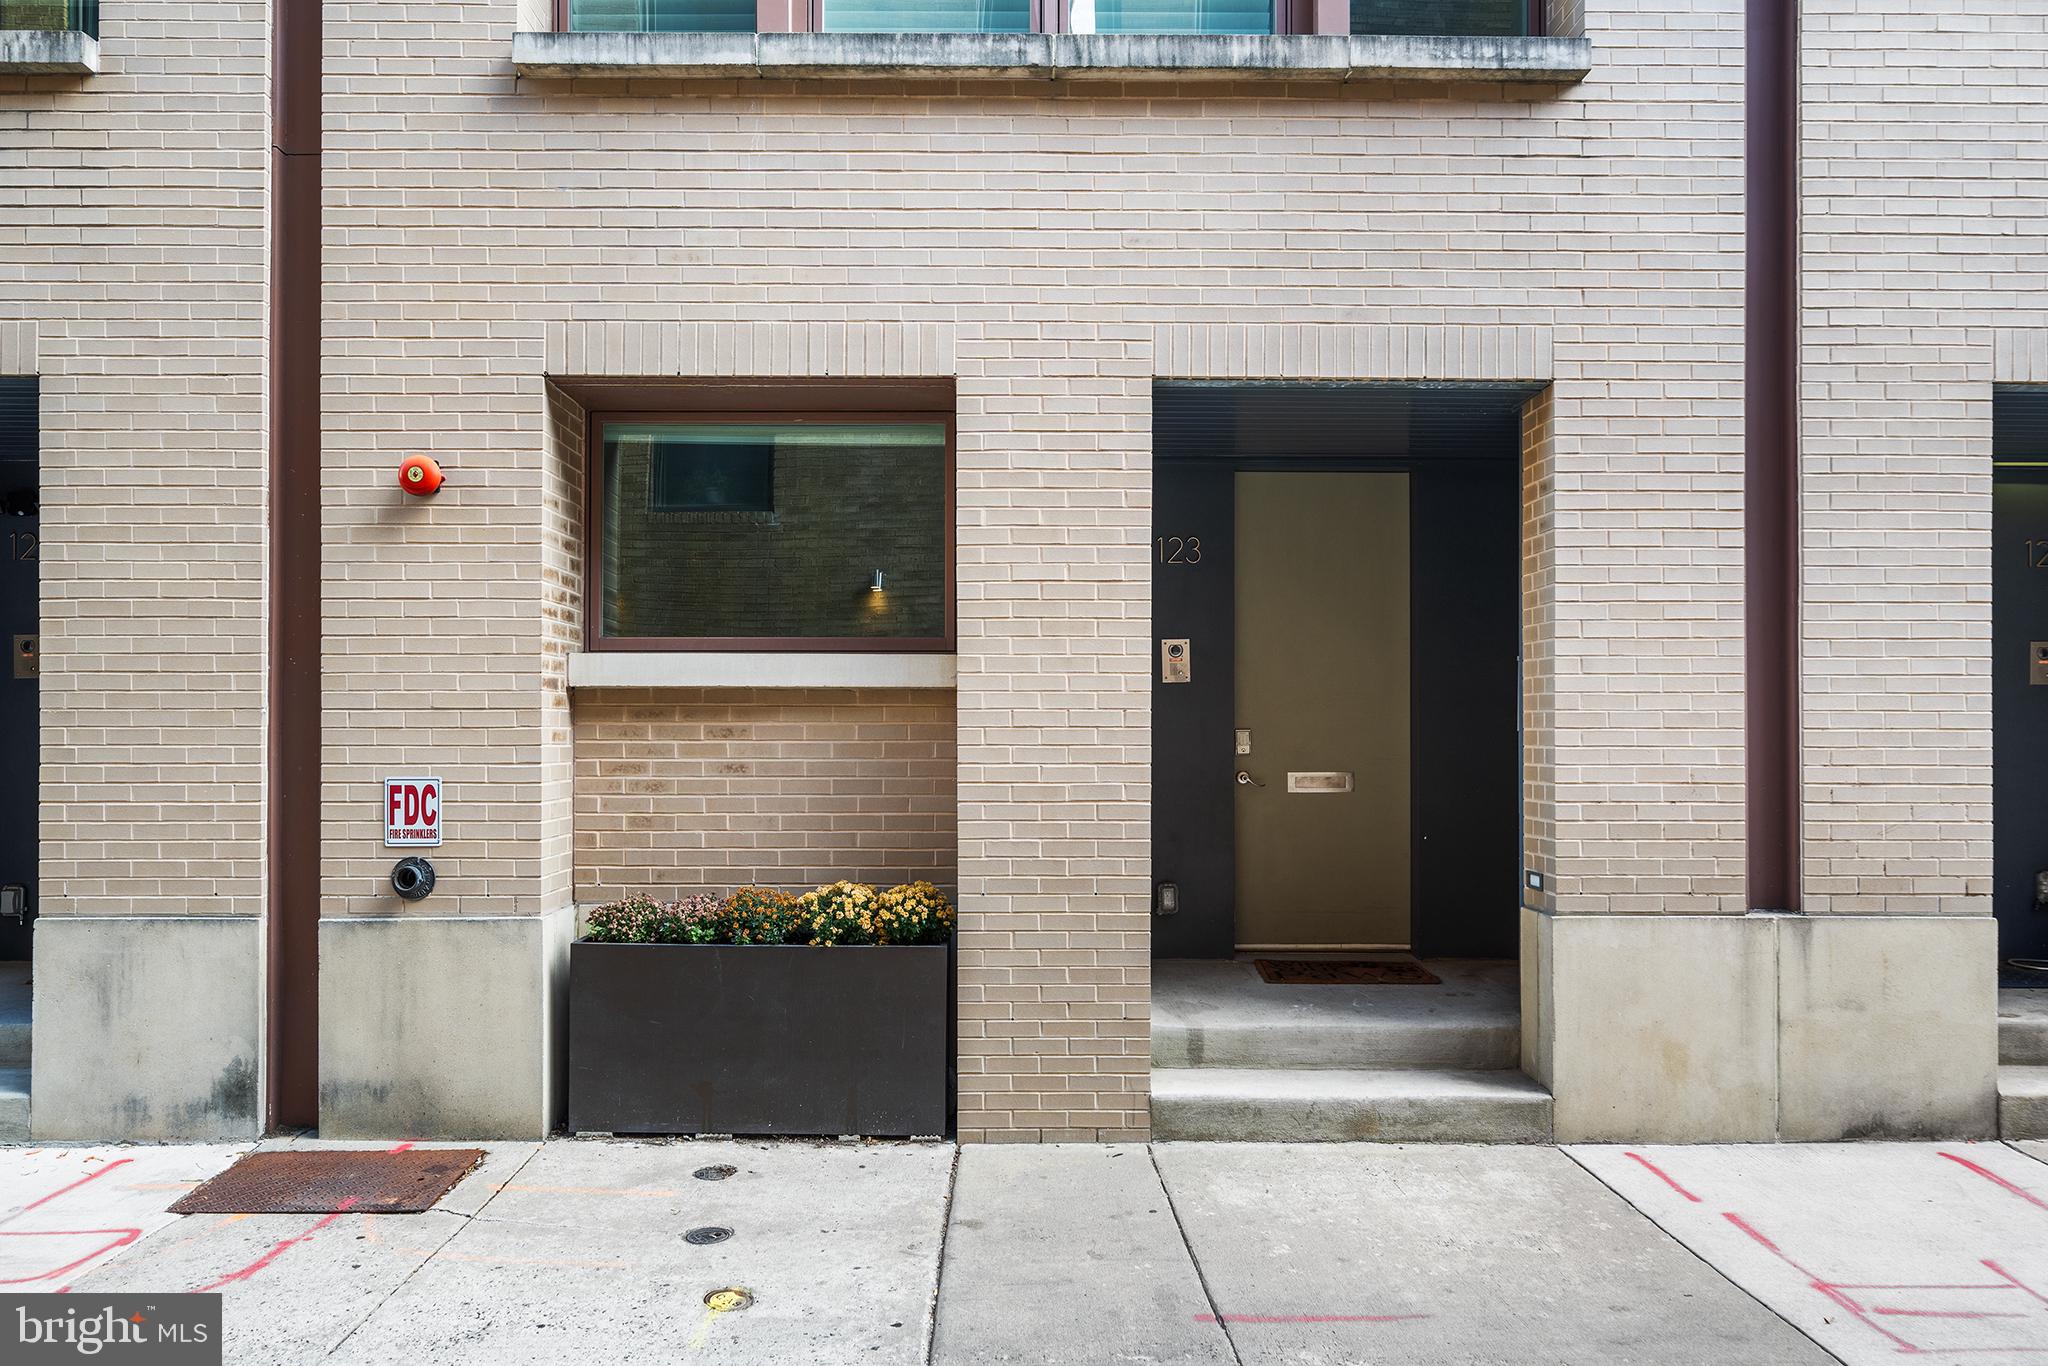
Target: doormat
1297 972
327 1181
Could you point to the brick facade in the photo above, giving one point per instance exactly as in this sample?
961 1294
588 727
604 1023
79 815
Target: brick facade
494 242
1924 186
134 246
688 790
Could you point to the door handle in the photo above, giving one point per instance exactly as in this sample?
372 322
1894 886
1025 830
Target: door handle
1245 779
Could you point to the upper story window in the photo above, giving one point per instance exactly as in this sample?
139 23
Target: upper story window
1399 17
64 16
661 16
1428 18
771 531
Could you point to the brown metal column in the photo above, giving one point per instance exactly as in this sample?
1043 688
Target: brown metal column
293 829
1770 485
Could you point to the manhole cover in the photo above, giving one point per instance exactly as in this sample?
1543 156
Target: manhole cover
711 1233
717 1173
728 1299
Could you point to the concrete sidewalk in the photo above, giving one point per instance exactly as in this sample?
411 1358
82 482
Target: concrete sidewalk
891 1253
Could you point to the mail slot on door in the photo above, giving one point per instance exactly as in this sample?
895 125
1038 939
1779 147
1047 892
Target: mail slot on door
1319 782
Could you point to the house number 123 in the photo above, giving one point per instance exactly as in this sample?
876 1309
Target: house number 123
1180 549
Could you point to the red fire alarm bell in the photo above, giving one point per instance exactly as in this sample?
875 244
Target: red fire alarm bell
420 474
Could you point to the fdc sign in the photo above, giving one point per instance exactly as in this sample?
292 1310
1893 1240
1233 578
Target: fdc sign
412 812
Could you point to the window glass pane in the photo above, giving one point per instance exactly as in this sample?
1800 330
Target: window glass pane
928 16
1172 16
1472 18
774 529
82 16
662 16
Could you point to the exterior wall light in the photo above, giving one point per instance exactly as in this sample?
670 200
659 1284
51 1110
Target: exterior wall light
875 585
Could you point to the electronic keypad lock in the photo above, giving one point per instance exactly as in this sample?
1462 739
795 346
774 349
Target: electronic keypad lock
1173 661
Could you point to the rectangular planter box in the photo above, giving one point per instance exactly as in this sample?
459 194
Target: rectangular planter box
759 1039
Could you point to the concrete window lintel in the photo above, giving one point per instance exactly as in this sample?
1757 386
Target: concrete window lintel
48 52
1061 56
759 669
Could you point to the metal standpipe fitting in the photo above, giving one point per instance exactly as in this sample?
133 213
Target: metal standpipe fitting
413 878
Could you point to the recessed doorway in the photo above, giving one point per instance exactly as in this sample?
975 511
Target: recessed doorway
1336 702
2019 682
1336 761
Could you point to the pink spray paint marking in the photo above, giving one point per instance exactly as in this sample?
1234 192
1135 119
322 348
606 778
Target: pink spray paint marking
1656 1171
1869 1314
2017 1284
67 1189
284 1246
1995 1179
1833 1292
121 1237
403 1147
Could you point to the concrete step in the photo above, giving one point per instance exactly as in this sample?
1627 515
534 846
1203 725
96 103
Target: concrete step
2023 1102
13 1105
2023 1027
1220 1014
1338 1043
1390 1105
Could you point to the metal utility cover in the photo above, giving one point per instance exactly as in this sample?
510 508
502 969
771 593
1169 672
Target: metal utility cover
327 1181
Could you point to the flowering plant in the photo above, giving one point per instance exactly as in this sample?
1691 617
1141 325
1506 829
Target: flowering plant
761 915
839 913
643 920
914 913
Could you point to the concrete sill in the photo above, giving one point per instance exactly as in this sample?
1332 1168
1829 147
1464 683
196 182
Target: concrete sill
759 669
48 52
1062 56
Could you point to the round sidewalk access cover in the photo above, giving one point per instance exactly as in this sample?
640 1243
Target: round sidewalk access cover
710 1233
717 1173
729 1299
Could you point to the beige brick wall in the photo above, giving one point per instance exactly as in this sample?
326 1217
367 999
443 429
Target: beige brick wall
561 571
1925 186
132 235
684 790
1056 241
1055 717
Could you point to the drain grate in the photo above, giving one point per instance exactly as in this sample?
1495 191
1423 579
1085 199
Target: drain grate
325 1181
709 1234
1344 972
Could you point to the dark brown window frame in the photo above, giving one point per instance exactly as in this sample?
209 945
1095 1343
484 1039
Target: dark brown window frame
594 638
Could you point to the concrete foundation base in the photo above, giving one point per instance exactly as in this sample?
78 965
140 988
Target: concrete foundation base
443 1027
1760 1027
147 1028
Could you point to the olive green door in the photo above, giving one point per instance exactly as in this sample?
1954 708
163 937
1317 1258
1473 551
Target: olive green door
1322 659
